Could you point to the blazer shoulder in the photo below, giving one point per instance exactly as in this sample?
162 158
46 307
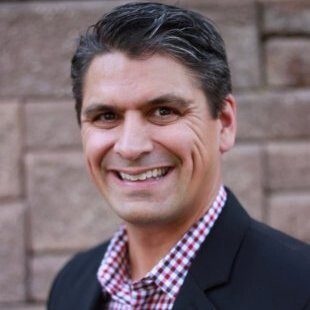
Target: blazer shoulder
278 244
78 271
267 269
278 262
261 239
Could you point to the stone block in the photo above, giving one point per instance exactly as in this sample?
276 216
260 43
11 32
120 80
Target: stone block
288 17
10 151
66 211
290 213
242 168
12 253
37 42
222 2
22 306
274 115
288 62
288 166
51 125
237 23
43 270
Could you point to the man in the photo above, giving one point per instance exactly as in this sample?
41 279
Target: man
153 99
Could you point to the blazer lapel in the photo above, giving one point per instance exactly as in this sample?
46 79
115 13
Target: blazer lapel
91 295
88 287
94 300
191 296
213 264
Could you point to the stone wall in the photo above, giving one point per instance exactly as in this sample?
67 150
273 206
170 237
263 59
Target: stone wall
49 208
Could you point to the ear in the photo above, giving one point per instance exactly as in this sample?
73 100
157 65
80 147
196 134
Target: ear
228 124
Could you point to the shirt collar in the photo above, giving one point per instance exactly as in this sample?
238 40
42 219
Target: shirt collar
170 272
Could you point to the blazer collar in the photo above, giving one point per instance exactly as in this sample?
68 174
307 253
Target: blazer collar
214 261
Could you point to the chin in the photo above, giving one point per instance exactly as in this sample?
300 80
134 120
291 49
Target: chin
142 213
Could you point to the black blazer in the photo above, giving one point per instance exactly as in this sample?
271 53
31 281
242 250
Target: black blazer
242 264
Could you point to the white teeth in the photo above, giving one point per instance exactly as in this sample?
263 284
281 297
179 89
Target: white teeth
154 173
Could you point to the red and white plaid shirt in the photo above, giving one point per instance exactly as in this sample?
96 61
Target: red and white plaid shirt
159 288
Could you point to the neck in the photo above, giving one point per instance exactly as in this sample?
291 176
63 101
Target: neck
148 244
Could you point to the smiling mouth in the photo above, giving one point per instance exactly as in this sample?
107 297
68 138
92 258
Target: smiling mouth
156 173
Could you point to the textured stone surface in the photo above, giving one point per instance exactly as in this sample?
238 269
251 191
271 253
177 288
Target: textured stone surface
268 49
37 42
51 125
243 174
14 306
287 17
41 66
10 151
43 270
274 115
288 62
66 210
12 249
288 166
290 213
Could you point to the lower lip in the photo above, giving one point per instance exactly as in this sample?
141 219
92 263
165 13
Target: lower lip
143 184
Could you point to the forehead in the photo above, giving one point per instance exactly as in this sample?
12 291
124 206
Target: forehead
115 77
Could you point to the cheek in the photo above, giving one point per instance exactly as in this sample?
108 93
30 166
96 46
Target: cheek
96 144
172 138
196 140
202 146
205 135
182 141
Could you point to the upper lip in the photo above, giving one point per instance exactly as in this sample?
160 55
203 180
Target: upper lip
137 170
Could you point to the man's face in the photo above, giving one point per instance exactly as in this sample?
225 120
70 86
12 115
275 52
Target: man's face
149 140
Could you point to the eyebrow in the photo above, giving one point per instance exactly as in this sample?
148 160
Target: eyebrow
164 99
170 99
96 108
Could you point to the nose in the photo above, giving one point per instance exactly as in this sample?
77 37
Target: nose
134 138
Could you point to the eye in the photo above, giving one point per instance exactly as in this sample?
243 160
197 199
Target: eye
106 119
107 116
164 115
163 111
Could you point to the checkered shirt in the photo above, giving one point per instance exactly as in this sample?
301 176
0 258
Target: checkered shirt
159 288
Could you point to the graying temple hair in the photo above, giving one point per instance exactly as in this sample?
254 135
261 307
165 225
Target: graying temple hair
142 29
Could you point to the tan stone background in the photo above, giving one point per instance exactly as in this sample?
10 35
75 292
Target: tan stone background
49 209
